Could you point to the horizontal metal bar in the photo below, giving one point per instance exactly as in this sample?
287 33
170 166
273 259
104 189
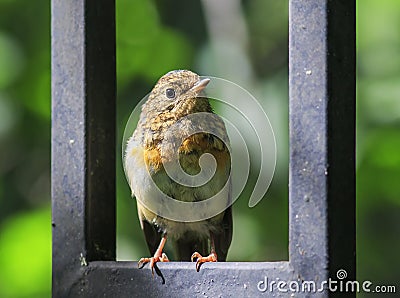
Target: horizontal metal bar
180 279
321 186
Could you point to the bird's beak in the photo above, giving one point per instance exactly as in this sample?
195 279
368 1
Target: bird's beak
200 85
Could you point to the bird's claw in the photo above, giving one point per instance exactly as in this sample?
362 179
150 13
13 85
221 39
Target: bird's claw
200 259
153 260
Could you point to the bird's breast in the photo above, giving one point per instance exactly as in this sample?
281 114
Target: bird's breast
148 169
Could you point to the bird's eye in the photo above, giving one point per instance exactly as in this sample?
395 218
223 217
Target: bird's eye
170 93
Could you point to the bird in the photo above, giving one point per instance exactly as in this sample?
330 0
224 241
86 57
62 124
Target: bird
176 96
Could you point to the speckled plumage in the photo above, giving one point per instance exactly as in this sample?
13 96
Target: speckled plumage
144 154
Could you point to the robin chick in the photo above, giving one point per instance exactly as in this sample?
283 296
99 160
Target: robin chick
176 95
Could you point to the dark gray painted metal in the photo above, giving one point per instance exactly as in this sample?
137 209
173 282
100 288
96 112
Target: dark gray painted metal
83 137
100 119
123 279
322 198
322 138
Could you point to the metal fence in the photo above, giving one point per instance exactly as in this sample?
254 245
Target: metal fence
321 173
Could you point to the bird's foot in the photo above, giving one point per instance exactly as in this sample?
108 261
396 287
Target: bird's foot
200 259
153 260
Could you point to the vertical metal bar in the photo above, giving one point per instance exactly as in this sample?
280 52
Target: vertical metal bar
322 138
322 143
83 137
100 90
341 137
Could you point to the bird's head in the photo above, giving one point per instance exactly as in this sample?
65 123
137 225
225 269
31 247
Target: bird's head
178 91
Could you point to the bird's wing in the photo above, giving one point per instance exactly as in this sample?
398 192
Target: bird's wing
151 234
222 239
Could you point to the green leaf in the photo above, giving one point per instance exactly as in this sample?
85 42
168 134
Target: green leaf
25 255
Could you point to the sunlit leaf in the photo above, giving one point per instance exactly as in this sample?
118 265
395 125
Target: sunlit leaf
25 254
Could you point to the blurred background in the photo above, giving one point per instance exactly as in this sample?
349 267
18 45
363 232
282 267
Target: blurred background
243 41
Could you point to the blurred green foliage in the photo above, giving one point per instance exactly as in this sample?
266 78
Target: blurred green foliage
378 141
25 254
154 37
